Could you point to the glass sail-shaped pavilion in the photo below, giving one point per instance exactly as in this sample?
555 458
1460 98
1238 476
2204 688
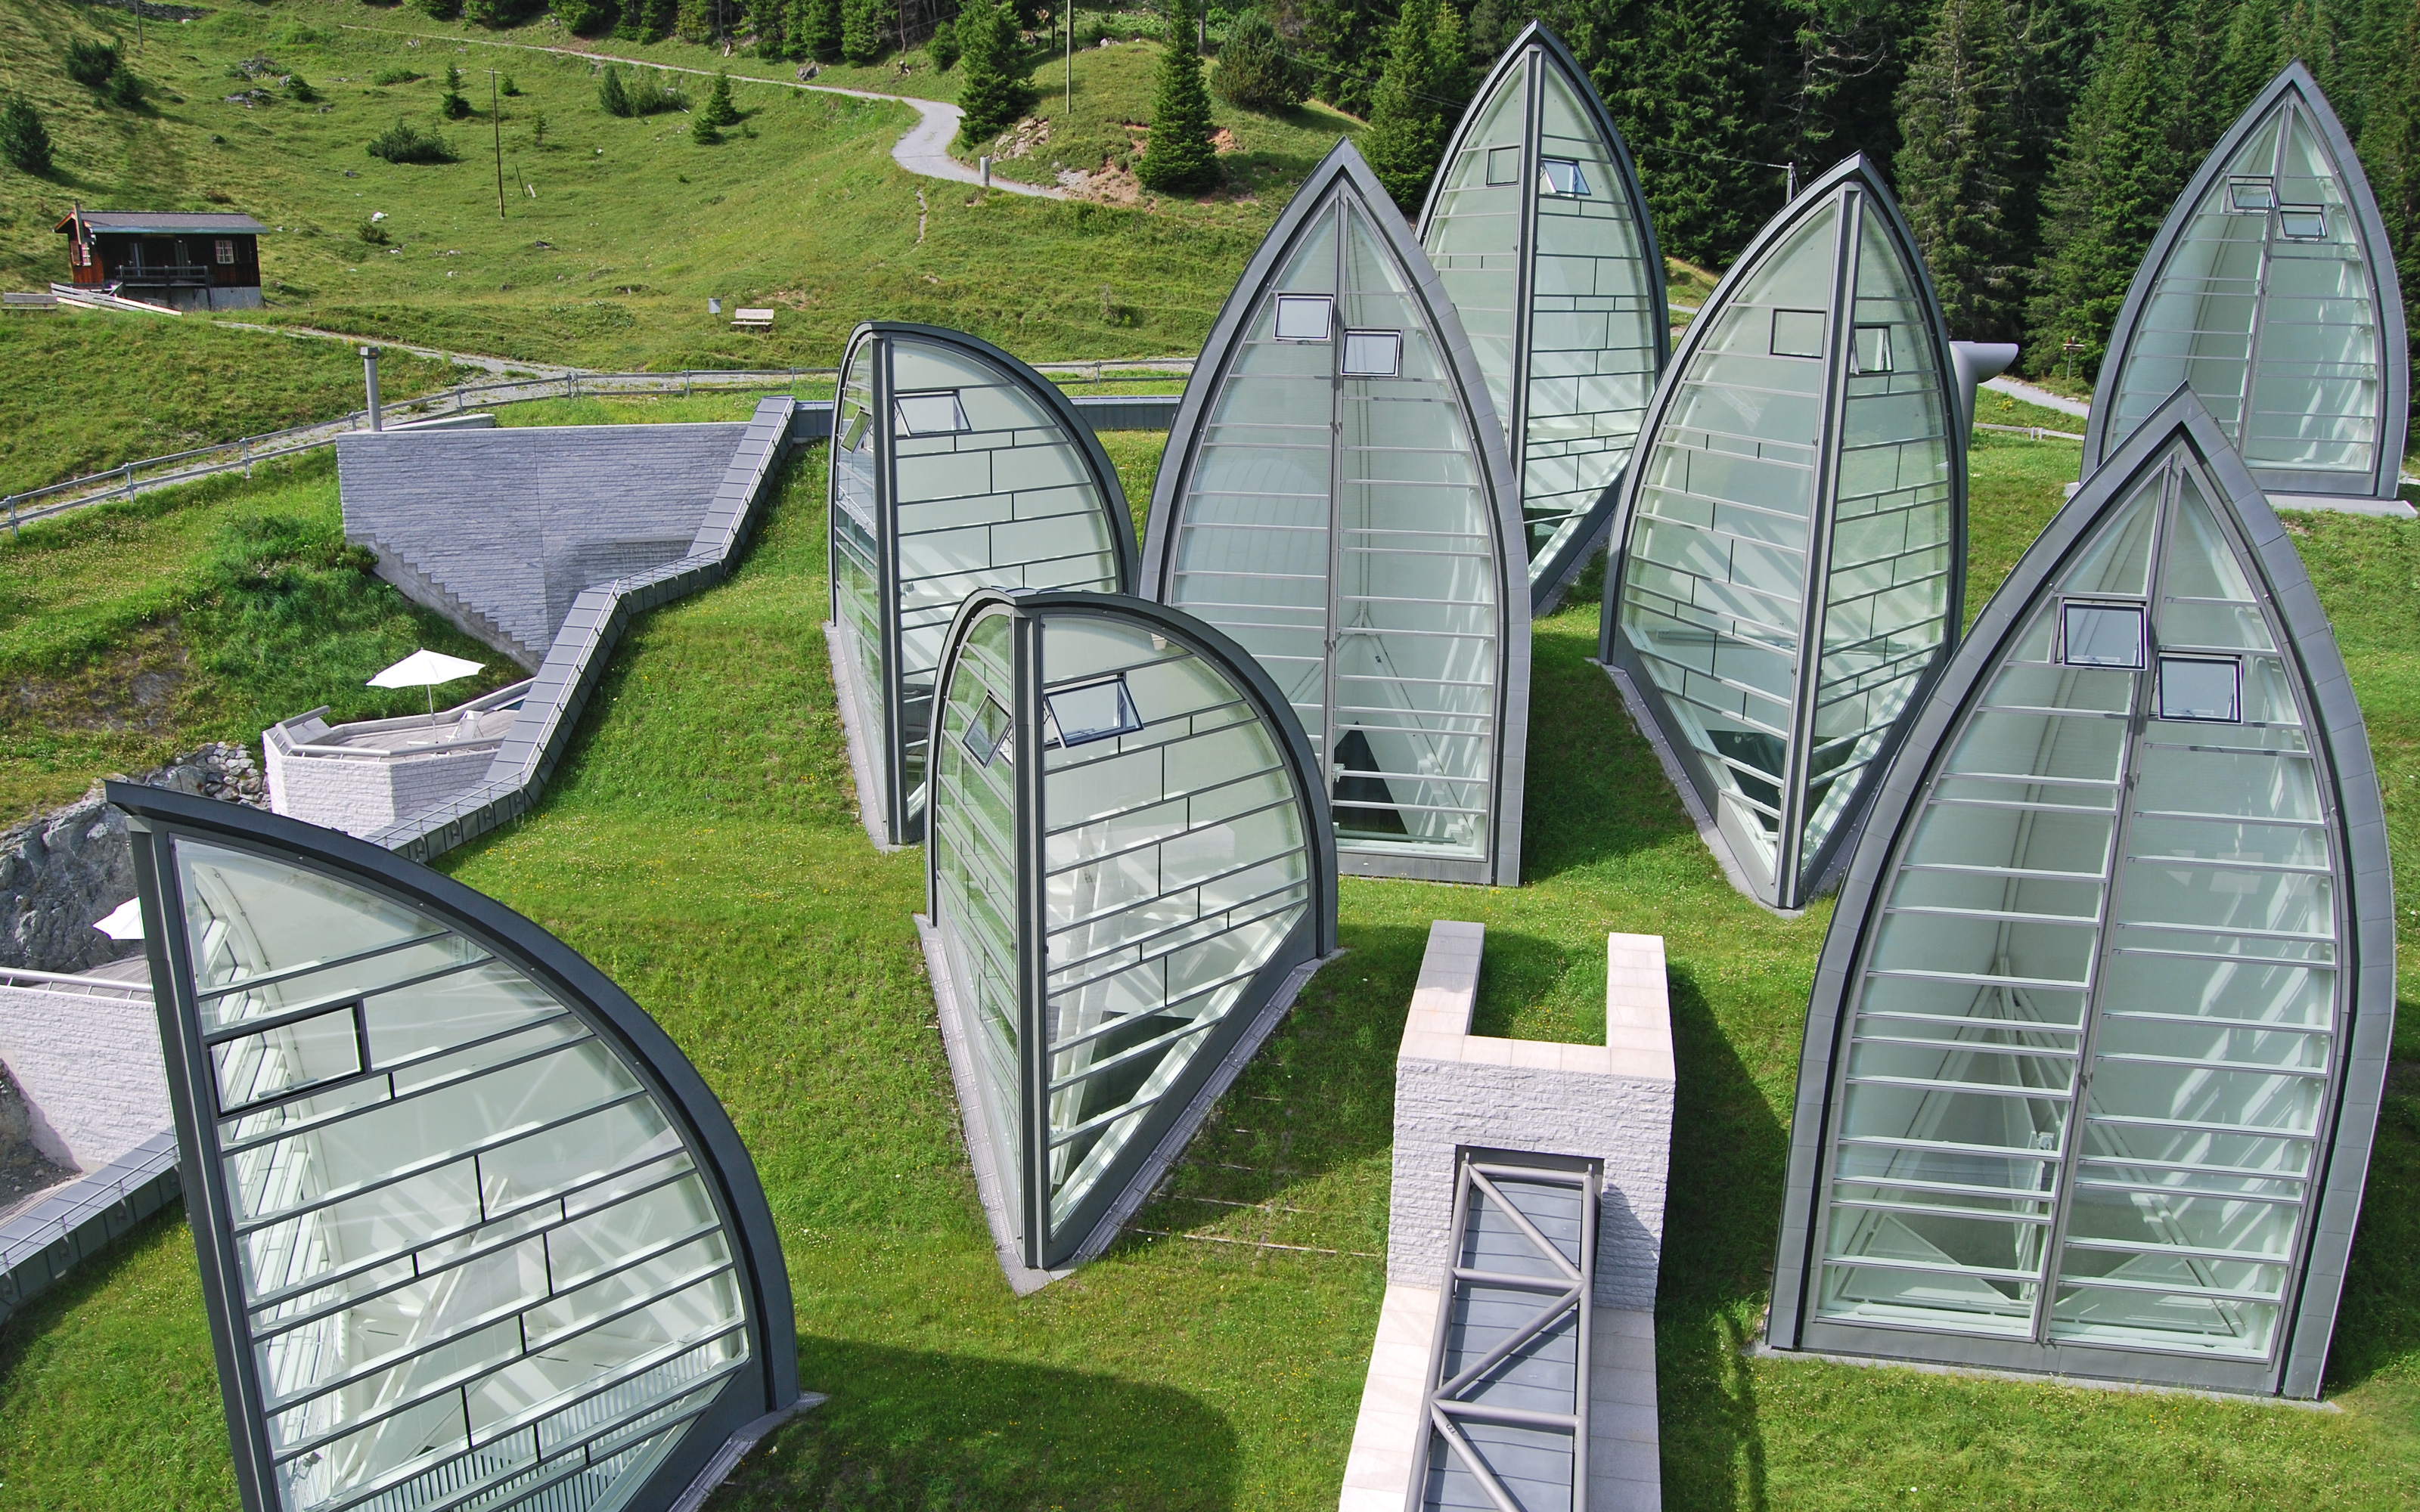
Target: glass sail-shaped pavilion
2099 1032
1130 873
983 476
1791 544
1335 496
473 1231
2271 292
1540 235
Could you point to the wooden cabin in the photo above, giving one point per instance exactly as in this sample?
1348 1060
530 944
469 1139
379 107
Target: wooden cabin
178 258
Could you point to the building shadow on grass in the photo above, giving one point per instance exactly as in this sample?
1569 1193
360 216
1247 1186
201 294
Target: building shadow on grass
1729 1151
924 1432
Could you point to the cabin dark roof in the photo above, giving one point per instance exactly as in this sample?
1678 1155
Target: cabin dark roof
166 222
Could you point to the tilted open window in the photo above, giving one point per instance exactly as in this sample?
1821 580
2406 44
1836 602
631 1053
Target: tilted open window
2271 292
473 1231
1560 284
1789 548
985 478
1335 496
2100 1031
1130 874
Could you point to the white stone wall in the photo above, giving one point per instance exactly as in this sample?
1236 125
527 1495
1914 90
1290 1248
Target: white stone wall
361 795
90 1067
1613 1103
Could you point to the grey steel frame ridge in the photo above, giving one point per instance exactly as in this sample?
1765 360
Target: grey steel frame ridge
1536 49
767 1382
1345 172
1867 195
901 828
1170 1120
2378 257
2348 1130
1574 1298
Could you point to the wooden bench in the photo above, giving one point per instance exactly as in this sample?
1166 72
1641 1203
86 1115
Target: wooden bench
752 320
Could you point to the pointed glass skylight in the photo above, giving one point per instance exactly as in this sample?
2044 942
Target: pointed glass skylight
1791 551
2098 1034
2271 291
984 476
1540 235
1130 876
473 1231
1335 496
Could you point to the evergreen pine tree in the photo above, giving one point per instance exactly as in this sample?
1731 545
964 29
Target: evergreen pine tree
943 46
861 29
770 21
2051 45
1347 39
656 18
2389 151
2122 167
1418 99
1697 132
1957 141
1256 68
609 93
23 140
693 21
719 111
995 91
815 29
1181 160
2248 59
452 104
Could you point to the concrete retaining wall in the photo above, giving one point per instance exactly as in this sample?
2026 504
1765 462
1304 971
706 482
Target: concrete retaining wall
366 777
500 530
88 1061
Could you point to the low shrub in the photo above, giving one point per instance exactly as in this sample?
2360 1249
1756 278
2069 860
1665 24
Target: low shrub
396 76
371 232
23 140
90 64
1256 69
653 97
127 91
406 142
298 88
588 17
943 47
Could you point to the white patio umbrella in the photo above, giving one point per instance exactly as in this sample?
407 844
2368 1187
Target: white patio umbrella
124 922
425 670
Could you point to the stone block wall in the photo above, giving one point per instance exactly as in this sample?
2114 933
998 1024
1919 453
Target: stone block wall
90 1068
1611 1103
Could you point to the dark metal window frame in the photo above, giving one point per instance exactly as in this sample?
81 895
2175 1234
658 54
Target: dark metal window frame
904 823
2364 968
1571 1297
767 1382
2293 89
1536 50
1865 200
1089 1227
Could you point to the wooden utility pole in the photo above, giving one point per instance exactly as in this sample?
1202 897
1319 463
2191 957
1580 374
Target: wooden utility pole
1070 8
496 119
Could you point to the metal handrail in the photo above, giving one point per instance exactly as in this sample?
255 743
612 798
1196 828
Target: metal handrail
21 976
98 487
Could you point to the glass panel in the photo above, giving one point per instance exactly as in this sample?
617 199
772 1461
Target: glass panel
859 615
394 1232
1337 526
2266 306
1373 353
2101 635
1303 319
1177 866
930 414
973 840
2195 689
1094 711
1714 583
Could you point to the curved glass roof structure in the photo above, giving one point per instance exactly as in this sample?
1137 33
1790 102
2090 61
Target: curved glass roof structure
1791 546
2271 292
1131 872
1540 235
983 477
1335 495
473 1231
2099 1032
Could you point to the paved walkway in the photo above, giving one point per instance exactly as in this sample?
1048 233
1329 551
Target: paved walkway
924 151
2031 393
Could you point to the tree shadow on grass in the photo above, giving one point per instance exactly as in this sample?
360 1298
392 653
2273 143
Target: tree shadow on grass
911 1429
1728 1157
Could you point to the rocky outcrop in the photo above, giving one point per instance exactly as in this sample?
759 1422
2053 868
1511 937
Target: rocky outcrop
66 870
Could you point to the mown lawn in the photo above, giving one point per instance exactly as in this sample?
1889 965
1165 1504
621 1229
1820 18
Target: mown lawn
703 847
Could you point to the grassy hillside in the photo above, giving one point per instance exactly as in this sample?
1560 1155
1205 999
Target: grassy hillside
1197 1370
85 392
131 631
632 226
